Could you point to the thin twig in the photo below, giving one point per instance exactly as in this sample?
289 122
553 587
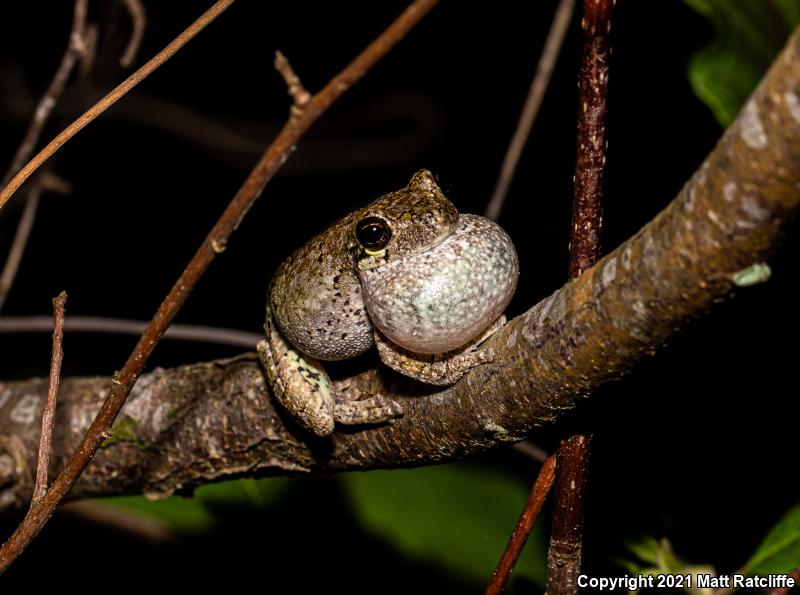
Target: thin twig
18 245
538 88
274 157
49 413
107 101
544 481
564 557
300 97
121 326
526 447
587 205
118 519
44 108
566 540
76 48
138 17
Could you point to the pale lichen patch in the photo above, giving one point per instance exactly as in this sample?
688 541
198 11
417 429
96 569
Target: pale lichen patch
715 219
793 103
609 272
511 341
752 275
626 256
753 209
751 128
729 191
688 203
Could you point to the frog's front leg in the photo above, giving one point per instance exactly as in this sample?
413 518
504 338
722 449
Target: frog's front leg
440 369
299 383
304 389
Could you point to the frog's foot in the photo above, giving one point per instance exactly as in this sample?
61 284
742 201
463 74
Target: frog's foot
299 383
440 369
374 410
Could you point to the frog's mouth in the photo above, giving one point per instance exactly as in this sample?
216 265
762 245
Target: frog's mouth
373 259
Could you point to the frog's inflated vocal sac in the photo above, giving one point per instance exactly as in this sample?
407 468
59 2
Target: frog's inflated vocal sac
407 274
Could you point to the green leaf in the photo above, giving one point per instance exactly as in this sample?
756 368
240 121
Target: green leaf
645 548
748 36
780 550
458 515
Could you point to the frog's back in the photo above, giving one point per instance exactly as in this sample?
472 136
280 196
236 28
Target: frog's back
316 298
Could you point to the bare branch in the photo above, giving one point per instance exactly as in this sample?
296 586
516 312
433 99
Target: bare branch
138 17
107 101
587 206
18 245
566 540
49 414
74 51
101 324
541 80
300 97
215 243
536 499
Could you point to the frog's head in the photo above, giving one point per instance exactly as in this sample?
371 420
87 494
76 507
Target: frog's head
402 223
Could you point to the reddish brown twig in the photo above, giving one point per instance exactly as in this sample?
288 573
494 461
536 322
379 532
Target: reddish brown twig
102 324
541 80
274 157
49 413
138 18
107 101
300 97
533 507
564 558
587 205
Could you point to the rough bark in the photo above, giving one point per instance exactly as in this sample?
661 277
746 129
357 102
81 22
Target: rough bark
214 420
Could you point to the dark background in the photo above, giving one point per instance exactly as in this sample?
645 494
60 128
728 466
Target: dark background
697 444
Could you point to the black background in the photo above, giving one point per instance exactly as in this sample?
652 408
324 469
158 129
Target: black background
698 444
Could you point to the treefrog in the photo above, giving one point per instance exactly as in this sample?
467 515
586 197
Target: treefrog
406 274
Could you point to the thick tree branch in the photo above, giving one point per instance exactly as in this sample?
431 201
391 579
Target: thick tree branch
209 421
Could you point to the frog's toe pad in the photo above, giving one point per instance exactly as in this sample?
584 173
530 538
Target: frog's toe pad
374 410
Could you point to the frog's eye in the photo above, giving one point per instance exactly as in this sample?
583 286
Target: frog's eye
373 233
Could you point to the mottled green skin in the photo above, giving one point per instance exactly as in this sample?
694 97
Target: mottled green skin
316 296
